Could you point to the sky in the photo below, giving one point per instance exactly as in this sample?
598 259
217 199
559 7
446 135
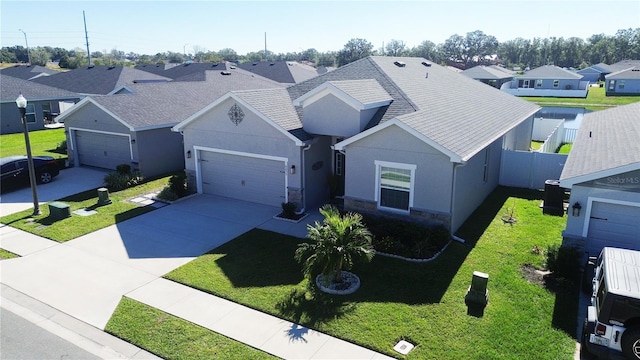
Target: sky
150 27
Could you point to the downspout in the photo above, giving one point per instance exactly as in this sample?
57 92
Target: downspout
453 198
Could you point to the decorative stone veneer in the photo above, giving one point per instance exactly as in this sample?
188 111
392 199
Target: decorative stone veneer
418 215
295 196
192 186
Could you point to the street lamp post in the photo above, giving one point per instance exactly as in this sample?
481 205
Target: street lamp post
22 106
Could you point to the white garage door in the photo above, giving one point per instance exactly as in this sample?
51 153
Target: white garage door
102 150
243 177
613 225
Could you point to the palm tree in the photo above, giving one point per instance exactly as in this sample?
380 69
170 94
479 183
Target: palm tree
337 243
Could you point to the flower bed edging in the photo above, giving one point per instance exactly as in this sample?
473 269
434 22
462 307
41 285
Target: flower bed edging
345 274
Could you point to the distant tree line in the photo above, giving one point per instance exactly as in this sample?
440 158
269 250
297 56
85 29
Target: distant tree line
475 48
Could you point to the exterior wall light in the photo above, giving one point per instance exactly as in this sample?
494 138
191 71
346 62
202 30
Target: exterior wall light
576 208
188 154
133 141
292 170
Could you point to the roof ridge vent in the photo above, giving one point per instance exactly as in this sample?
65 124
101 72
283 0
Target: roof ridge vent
271 64
254 63
91 66
400 63
427 64
111 67
225 72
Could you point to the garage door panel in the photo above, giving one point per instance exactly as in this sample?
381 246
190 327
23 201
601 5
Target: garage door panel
102 150
241 177
614 225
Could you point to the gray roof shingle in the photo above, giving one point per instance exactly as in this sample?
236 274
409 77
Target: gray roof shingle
550 72
630 73
365 91
27 72
166 104
607 140
486 72
285 72
97 79
11 87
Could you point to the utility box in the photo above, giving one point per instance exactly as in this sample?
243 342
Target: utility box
59 210
103 196
477 295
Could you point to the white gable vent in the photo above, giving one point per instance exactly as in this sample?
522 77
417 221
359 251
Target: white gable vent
426 64
400 63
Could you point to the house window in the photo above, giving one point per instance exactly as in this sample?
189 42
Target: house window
538 83
46 112
30 114
612 85
556 83
621 84
487 159
525 84
394 185
339 165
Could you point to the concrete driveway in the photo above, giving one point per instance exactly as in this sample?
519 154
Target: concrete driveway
86 277
70 181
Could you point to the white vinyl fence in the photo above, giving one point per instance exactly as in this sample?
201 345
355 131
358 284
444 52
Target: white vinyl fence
530 169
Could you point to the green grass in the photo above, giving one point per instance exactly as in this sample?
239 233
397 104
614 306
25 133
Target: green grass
4 255
75 226
564 148
43 142
422 303
596 100
536 145
173 338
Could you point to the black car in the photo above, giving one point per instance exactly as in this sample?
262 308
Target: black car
15 170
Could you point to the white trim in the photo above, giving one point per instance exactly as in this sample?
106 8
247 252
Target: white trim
568 183
452 156
591 200
82 103
197 149
72 136
376 196
122 87
231 95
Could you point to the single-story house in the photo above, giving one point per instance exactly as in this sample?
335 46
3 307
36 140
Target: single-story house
394 136
133 124
98 80
623 82
594 73
284 72
548 81
43 103
603 173
491 75
27 72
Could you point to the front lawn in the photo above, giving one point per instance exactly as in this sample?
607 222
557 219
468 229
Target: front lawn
421 303
43 142
70 228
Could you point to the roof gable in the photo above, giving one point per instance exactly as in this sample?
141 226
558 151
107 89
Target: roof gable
285 72
607 143
630 73
359 94
550 72
486 72
27 72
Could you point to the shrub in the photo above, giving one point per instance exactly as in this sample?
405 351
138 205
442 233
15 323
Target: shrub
62 147
123 169
167 194
178 184
289 209
563 261
117 181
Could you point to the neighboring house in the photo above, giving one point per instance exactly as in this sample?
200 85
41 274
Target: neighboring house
43 103
392 136
548 81
491 75
603 173
133 125
27 72
623 82
185 70
98 80
595 73
284 72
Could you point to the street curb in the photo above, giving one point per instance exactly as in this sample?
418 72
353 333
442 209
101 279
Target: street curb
81 334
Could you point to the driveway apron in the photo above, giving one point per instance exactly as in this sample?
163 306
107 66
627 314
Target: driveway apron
86 277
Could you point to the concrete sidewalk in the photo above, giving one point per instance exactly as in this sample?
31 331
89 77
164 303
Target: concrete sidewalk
87 277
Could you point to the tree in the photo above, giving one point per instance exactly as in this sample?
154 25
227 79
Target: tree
336 244
427 50
228 54
353 50
395 48
39 56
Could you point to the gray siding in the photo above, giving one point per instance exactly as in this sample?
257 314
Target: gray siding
159 151
252 135
433 174
631 87
470 186
11 122
332 116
